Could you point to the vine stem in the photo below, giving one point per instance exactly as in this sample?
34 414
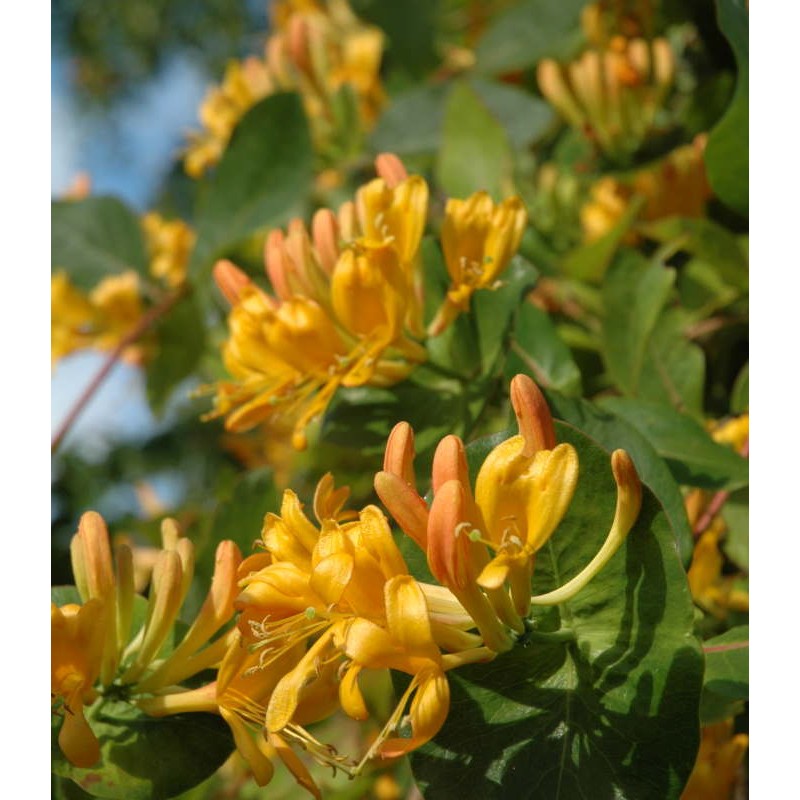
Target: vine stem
717 501
135 333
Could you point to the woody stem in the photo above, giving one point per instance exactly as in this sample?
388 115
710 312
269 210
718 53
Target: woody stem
135 333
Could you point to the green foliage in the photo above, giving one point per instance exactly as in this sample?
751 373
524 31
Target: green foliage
180 346
526 33
95 238
727 154
693 456
612 714
726 683
475 151
262 181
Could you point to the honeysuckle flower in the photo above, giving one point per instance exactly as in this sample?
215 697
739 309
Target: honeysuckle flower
718 761
315 49
612 94
95 649
522 492
345 305
77 637
99 319
169 245
478 239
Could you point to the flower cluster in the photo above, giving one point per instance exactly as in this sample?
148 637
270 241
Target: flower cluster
324 602
347 302
94 646
104 316
675 186
612 94
319 49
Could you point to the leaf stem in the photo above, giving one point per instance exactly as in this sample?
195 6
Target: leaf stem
135 333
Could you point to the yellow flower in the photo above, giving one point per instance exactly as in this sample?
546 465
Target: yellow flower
315 49
77 636
169 243
522 492
92 646
344 309
676 186
612 94
478 239
717 766
100 320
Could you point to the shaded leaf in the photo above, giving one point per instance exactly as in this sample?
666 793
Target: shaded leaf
143 757
475 152
612 432
612 714
180 345
262 180
727 154
706 240
693 456
537 350
528 32
94 238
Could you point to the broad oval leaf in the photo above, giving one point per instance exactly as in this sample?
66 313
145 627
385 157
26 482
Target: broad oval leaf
613 714
94 238
262 180
694 458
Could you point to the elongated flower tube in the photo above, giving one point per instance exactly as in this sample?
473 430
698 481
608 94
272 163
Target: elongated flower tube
612 94
478 239
522 493
92 650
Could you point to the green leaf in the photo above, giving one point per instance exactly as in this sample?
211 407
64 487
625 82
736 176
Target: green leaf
411 30
736 513
693 456
523 117
612 714
612 432
528 32
493 310
727 154
705 240
589 262
728 663
674 368
634 294
241 515
740 395
475 152
536 349
412 123
180 345
94 238
262 181
143 757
